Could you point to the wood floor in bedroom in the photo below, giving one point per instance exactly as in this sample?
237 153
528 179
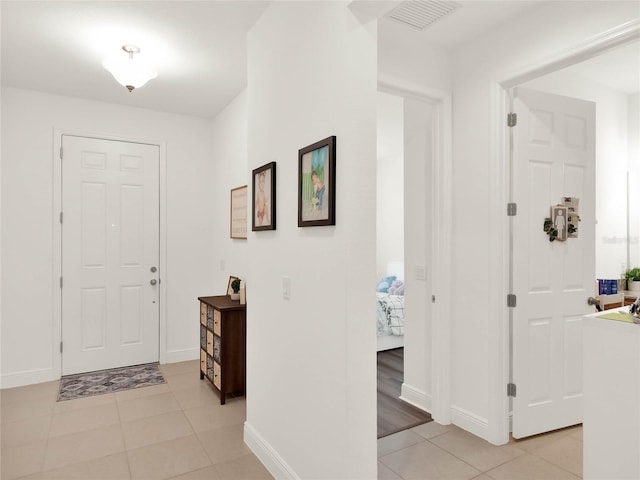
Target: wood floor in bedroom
394 415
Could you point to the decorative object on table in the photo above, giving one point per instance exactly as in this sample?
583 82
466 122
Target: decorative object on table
234 288
239 212
633 279
263 190
81 385
317 184
229 288
607 287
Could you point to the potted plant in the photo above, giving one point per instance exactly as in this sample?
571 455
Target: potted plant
235 286
633 279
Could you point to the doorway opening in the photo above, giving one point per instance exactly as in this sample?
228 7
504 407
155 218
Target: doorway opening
412 146
108 191
562 80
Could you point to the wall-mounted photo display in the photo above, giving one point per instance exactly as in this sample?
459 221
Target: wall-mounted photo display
572 203
573 215
264 197
317 184
239 212
560 222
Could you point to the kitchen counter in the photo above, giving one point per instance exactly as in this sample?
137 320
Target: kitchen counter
611 396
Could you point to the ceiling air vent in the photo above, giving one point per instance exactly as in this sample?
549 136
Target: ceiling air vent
420 14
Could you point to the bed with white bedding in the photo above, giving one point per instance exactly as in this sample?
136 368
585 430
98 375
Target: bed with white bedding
389 320
390 308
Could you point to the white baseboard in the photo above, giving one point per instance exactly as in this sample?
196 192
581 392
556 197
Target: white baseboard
416 397
28 377
173 356
470 422
267 455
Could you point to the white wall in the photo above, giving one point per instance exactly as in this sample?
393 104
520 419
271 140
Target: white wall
29 352
229 152
634 180
477 382
404 60
390 183
611 163
311 383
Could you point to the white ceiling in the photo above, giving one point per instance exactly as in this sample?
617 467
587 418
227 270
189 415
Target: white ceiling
199 47
618 69
471 19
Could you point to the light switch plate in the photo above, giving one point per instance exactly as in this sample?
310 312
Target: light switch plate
286 288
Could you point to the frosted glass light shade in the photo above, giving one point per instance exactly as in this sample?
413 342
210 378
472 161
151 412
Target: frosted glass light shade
131 73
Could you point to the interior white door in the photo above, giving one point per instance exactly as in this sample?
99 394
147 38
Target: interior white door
110 254
554 157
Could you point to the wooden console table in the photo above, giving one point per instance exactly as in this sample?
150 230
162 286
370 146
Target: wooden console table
223 344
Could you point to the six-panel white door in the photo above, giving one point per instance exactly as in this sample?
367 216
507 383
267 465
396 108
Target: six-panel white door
110 247
554 157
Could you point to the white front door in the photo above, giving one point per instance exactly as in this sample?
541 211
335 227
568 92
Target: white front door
110 254
554 157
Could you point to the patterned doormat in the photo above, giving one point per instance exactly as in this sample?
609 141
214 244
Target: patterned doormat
82 385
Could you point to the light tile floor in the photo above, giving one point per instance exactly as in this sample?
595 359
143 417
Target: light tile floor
433 451
178 430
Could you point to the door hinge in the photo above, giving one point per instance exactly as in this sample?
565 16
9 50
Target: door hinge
511 389
433 299
60 282
512 209
511 300
61 153
60 347
512 119
60 217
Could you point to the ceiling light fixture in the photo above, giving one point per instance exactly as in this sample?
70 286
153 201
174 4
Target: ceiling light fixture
132 73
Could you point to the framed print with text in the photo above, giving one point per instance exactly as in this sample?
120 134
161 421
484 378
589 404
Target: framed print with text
239 212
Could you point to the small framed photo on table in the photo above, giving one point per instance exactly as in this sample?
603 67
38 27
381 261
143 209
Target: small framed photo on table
229 287
264 197
317 184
